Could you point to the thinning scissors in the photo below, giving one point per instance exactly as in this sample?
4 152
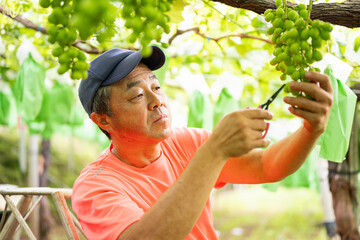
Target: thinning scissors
266 106
271 99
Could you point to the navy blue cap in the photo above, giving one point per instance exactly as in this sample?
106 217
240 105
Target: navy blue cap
112 66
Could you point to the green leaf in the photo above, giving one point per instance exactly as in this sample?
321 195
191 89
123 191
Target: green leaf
259 24
357 44
176 11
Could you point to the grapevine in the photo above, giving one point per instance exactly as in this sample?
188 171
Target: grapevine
297 40
73 19
148 21
70 20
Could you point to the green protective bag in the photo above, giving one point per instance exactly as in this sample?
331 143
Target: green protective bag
77 116
200 111
334 141
225 104
56 109
29 88
7 109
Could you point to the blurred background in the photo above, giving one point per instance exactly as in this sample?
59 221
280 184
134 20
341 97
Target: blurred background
218 55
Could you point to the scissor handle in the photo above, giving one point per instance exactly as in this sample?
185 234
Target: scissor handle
267 126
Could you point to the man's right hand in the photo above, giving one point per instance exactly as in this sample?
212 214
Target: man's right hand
239 132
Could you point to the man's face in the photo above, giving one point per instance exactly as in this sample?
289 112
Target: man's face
140 107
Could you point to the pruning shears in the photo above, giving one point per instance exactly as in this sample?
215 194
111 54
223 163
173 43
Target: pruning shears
266 106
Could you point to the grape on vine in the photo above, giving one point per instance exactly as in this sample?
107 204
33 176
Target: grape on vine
297 40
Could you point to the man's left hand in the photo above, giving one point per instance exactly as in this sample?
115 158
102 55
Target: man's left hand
315 111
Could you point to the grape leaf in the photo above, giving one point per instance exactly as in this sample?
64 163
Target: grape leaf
357 44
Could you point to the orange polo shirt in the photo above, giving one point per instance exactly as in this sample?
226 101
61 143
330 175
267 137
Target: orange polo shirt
110 195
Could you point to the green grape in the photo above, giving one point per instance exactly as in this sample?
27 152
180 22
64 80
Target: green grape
57 51
325 35
64 58
289 24
294 48
73 52
303 14
280 12
44 3
287 88
270 30
290 70
52 29
301 7
304 45
278 31
305 34
295 75
269 17
76 75
314 33
277 51
316 42
81 56
274 61
300 22
278 23
317 56
63 68
292 15
291 31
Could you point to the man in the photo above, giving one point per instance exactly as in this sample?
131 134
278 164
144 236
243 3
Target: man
154 182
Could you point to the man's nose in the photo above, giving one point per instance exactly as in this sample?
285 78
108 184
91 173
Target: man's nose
155 101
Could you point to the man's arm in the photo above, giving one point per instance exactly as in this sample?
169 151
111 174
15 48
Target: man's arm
175 213
286 156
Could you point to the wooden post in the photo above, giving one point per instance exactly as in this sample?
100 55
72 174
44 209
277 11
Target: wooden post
33 179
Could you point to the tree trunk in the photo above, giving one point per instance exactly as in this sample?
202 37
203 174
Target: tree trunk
345 14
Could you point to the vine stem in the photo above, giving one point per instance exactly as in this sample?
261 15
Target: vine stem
227 17
285 8
309 9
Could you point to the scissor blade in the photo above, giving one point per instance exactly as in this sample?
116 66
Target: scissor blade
277 92
272 98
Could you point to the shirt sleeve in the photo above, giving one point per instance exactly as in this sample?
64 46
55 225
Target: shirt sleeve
104 213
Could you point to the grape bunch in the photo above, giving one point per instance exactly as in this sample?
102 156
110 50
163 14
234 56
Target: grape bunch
72 19
297 40
148 21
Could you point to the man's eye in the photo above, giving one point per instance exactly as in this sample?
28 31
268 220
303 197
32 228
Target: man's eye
157 87
138 96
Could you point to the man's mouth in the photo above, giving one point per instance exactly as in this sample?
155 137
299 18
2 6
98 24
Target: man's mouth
161 117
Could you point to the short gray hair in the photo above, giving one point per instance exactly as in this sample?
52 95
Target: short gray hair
101 104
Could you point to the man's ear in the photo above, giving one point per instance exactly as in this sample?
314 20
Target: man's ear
102 121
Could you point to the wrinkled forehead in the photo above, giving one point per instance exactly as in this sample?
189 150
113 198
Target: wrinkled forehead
140 73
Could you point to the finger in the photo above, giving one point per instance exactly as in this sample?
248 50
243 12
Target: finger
256 124
303 114
260 143
313 90
306 104
258 113
322 79
248 134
